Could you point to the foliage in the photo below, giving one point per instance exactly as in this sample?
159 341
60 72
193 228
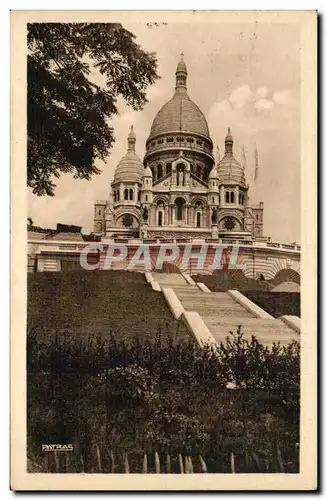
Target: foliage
277 303
167 396
68 112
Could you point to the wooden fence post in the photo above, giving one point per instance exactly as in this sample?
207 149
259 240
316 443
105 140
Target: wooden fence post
280 461
157 462
203 464
112 458
98 458
168 463
145 463
57 462
181 467
126 464
232 463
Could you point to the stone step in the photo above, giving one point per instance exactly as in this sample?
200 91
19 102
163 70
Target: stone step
270 324
267 331
172 279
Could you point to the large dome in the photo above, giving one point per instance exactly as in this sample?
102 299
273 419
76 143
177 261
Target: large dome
180 114
130 168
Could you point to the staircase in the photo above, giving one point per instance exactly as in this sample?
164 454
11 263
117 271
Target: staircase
222 314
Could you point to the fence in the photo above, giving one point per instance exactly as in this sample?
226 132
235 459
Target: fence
153 463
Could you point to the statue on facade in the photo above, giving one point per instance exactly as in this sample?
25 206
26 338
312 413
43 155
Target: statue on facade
214 216
145 214
180 178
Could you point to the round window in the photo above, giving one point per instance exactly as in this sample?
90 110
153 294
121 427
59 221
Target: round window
229 223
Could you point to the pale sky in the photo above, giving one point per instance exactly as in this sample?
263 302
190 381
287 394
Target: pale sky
243 76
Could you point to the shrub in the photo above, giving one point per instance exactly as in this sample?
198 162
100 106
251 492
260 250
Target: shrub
166 396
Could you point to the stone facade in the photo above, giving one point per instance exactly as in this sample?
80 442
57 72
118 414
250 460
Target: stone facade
178 191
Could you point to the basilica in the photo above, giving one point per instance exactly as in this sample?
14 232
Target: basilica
179 191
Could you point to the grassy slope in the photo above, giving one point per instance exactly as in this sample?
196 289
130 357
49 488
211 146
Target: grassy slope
97 302
223 281
277 303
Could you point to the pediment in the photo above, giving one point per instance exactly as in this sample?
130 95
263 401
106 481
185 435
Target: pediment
196 184
163 185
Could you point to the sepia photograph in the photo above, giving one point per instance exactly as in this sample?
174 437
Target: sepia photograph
163 190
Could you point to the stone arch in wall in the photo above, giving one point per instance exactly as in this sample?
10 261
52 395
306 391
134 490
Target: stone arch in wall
238 226
286 275
127 220
271 266
160 199
197 199
170 267
127 211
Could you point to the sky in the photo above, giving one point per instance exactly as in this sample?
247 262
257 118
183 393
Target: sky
242 76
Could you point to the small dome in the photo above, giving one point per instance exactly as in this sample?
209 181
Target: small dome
181 66
130 168
230 171
147 172
213 173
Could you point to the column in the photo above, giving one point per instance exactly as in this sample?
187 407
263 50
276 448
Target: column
121 192
166 218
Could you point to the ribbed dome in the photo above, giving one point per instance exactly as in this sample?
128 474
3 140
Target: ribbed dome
180 114
230 171
130 168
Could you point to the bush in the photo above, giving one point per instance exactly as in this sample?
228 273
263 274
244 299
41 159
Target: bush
167 396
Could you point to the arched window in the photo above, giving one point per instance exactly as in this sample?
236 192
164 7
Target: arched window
146 197
160 218
131 194
198 219
213 199
232 197
179 208
159 171
168 168
126 194
240 198
115 196
198 171
227 197
118 195
139 196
